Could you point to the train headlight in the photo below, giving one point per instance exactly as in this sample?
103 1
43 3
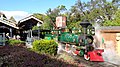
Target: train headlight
93 31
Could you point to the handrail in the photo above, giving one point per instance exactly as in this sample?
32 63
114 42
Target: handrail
8 22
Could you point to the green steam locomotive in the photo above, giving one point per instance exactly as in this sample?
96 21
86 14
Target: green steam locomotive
82 39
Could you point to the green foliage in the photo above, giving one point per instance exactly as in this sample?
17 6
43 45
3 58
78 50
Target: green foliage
12 19
117 17
115 21
52 14
15 42
35 28
61 7
108 23
111 23
92 10
74 25
39 16
45 46
46 25
46 21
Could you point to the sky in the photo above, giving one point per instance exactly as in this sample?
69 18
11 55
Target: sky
20 9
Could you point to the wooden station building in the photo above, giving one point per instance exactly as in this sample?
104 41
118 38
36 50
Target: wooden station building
7 27
23 28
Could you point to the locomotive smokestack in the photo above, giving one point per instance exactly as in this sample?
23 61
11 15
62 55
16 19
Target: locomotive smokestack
84 26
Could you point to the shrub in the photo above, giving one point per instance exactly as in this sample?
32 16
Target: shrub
15 42
45 46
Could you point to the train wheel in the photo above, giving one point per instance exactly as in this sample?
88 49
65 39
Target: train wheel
86 57
67 47
81 53
74 53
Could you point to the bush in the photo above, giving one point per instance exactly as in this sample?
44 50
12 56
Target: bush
45 46
15 42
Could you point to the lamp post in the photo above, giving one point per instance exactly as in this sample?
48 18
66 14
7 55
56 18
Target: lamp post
38 24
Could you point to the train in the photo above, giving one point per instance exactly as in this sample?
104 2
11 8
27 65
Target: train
82 40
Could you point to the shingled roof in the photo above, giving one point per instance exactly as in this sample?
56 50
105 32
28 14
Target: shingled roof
110 28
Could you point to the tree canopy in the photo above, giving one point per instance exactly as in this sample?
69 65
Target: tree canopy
46 21
12 19
106 13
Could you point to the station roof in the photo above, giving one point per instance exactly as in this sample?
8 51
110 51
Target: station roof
28 22
28 18
5 21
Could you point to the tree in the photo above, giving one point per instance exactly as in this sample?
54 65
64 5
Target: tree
52 14
46 21
12 19
47 25
39 16
62 8
117 16
94 10
115 21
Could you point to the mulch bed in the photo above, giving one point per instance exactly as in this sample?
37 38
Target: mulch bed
16 56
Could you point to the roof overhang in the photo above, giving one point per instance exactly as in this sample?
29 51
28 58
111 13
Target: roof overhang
110 29
28 18
9 23
28 22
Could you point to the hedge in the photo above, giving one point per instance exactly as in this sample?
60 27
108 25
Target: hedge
45 46
15 42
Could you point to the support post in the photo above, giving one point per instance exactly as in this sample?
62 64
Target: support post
3 40
31 33
38 24
10 32
39 32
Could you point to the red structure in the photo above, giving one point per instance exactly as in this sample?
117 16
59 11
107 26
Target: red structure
96 55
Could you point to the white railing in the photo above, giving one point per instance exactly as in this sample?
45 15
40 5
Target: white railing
8 22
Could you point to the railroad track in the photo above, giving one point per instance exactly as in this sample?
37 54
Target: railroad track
94 64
